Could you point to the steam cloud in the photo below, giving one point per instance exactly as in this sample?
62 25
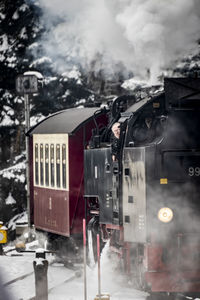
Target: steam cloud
139 36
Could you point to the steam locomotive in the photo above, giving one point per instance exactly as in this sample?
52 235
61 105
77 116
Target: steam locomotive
147 201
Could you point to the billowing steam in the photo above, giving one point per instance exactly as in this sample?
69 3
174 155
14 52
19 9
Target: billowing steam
142 37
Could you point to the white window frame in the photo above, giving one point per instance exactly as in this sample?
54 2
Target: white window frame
50 139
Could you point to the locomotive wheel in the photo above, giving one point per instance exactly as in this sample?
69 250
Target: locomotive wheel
93 229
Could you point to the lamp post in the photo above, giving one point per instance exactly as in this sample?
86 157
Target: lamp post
27 85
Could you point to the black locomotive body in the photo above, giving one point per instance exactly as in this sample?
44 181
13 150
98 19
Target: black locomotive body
147 202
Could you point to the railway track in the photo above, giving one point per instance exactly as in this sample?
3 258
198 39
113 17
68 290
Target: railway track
66 275
73 277
17 279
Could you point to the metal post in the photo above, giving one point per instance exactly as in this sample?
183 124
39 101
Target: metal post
40 265
27 84
84 259
99 270
27 127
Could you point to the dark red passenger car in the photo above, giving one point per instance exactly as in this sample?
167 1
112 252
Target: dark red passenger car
56 166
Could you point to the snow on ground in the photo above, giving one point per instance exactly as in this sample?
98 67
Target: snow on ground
112 282
14 172
21 218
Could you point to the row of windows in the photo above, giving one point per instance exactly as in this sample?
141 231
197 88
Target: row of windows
50 165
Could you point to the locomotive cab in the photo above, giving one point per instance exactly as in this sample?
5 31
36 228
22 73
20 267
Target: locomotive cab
103 174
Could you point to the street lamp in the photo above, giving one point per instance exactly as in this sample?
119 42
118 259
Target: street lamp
27 85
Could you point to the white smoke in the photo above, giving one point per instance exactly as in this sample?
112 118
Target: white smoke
139 36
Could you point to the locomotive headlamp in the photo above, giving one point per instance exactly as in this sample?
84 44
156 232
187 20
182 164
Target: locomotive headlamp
165 214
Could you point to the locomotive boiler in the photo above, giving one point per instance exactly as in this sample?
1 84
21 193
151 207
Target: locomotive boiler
147 201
